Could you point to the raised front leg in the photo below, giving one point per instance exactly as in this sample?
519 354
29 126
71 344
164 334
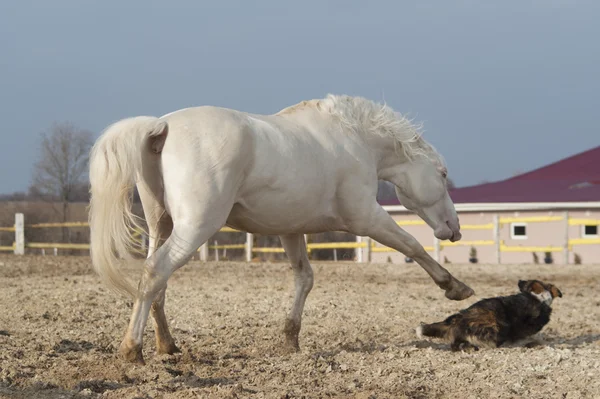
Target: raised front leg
295 248
385 230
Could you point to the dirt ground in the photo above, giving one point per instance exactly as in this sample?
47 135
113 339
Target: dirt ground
60 328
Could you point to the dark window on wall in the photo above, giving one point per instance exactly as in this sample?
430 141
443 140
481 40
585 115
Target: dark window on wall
518 231
590 230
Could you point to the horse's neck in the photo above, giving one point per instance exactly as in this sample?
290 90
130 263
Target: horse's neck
384 151
312 119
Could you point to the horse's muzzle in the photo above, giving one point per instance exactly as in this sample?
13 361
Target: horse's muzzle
456 235
455 228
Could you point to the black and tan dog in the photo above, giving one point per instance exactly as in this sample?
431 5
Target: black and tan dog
494 321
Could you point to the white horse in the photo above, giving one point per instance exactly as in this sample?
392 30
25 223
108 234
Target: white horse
309 168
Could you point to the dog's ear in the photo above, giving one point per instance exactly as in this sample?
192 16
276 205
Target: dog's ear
554 291
522 284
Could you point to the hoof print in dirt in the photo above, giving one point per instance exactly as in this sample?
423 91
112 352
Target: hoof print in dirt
97 386
173 372
66 345
193 381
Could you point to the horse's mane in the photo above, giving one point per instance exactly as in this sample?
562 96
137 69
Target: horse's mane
362 115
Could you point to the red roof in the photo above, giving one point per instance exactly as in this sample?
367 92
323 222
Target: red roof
573 179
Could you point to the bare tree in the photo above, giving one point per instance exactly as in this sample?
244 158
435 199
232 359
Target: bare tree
61 169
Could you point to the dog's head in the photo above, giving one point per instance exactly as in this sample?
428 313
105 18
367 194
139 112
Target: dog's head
543 292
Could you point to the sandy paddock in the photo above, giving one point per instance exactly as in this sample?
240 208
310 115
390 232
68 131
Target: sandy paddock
59 330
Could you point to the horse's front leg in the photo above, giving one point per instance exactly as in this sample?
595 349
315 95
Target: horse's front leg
382 228
295 248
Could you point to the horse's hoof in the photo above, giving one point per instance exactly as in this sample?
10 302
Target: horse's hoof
291 345
131 353
459 291
167 349
291 331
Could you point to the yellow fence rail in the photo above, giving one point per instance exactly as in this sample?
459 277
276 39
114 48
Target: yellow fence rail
7 248
475 243
487 226
359 246
388 249
57 245
269 250
49 225
505 248
584 241
531 219
227 246
580 222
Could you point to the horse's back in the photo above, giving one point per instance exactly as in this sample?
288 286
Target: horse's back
279 170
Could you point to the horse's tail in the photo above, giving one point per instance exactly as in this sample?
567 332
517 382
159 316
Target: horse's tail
116 162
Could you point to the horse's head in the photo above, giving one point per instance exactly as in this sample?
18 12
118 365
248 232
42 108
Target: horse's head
421 187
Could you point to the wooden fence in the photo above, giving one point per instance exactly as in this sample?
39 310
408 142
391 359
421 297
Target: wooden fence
363 246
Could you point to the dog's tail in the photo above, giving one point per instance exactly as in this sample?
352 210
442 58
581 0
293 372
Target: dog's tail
442 329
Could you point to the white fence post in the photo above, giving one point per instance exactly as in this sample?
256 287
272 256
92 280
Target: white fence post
436 249
358 252
249 246
566 245
204 252
497 237
216 251
19 234
368 239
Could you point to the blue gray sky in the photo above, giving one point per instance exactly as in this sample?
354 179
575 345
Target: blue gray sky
501 86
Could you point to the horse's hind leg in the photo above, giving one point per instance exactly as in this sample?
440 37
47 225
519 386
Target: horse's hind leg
175 252
295 248
165 344
160 226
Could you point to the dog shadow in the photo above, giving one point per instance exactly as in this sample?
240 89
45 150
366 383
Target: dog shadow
572 342
536 343
425 344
